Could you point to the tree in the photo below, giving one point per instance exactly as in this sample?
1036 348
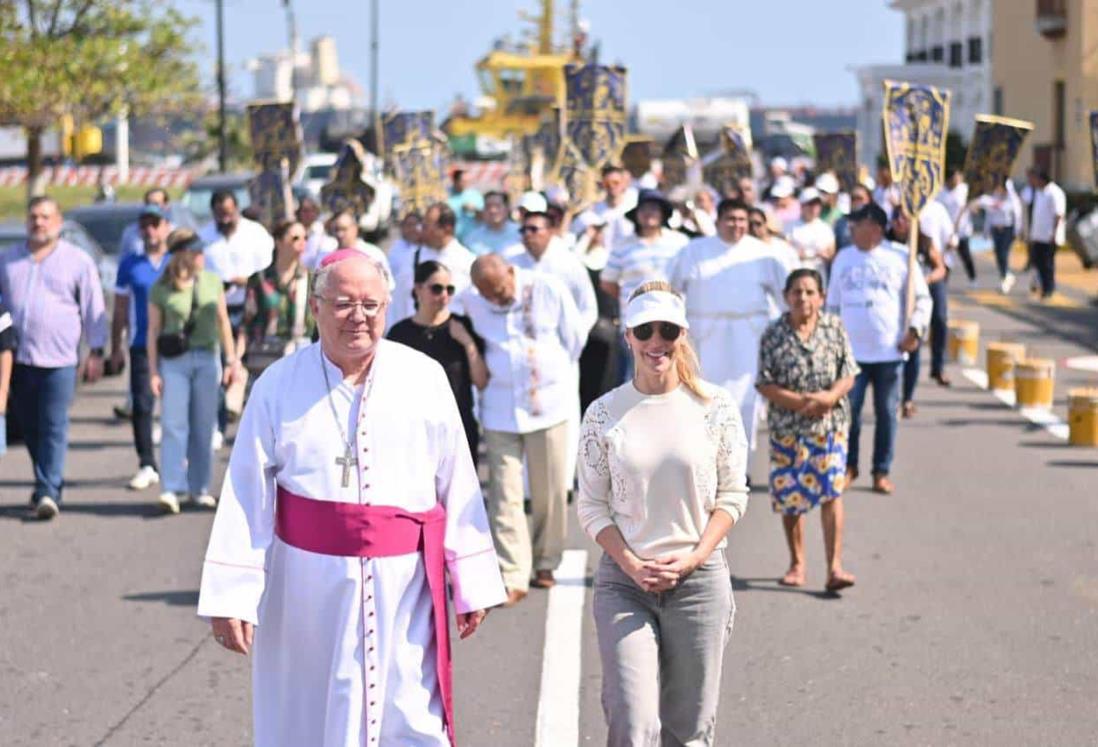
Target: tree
90 59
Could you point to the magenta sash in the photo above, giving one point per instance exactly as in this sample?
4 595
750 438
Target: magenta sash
356 531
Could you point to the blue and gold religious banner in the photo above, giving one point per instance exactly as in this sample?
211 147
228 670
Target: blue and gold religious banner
724 167
837 152
420 170
402 128
547 140
916 120
995 144
276 147
348 189
594 120
1094 144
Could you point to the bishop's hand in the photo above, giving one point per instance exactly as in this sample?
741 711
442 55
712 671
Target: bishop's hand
468 622
235 635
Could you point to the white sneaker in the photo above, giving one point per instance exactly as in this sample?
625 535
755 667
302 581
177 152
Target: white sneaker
46 508
145 477
204 501
972 284
157 433
168 502
218 440
1008 282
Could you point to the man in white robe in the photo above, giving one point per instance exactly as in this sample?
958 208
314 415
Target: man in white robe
733 287
350 497
439 244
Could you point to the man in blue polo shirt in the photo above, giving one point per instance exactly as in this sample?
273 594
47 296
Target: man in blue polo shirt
136 275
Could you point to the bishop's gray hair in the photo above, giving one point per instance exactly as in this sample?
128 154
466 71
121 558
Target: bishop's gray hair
320 277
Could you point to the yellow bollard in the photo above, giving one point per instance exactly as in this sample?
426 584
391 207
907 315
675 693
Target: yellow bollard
1033 380
1083 417
964 342
1001 359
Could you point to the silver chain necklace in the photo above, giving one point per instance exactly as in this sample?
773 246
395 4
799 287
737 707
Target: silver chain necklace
348 459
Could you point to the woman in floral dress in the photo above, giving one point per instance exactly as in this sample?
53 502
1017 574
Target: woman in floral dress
806 369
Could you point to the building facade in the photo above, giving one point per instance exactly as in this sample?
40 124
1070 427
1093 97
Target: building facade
947 45
1045 63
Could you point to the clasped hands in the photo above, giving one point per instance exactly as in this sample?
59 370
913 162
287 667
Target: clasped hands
817 404
662 573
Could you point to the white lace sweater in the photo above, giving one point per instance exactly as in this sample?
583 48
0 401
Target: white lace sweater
657 466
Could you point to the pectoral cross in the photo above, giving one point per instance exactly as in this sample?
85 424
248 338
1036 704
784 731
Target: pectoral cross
347 461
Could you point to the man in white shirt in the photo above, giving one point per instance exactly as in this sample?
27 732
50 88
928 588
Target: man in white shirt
533 335
936 224
234 247
954 196
605 221
733 287
868 290
344 234
811 236
496 231
439 244
404 248
1046 228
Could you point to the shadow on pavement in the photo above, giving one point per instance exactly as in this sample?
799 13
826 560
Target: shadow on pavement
21 511
1073 463
171 598
771 584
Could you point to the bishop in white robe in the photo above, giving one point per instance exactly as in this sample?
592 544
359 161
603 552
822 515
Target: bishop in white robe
350 500
733 286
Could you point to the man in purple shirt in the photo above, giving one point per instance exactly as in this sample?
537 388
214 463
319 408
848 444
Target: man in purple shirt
53 291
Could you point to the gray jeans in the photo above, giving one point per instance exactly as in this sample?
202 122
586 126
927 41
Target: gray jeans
662 654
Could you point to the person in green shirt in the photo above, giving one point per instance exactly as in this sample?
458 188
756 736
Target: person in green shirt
188 303
277 318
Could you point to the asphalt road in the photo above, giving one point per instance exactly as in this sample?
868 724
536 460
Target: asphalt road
974 621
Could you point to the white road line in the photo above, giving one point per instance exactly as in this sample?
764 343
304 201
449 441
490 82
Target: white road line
558 701
1036 415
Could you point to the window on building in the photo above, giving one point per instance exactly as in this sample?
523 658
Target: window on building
1058 117
975 50
937 53
997 101
956 54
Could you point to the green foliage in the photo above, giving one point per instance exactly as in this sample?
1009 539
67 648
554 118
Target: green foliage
201 145
91 59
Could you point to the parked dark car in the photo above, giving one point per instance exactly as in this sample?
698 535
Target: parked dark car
107 221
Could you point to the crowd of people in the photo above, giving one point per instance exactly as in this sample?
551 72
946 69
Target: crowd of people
625 355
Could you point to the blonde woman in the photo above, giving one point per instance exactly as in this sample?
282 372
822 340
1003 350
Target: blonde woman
662 475
188 326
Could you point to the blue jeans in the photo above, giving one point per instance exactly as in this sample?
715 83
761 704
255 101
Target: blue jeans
885 378
1002 238
42 397
939 322
188 412
911 374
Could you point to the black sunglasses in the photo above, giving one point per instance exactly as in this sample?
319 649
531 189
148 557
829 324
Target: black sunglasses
668 331
531 229
438 288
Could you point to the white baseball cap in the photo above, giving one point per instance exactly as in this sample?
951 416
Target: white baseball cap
533 202
808 194
784 186
655 306
827 183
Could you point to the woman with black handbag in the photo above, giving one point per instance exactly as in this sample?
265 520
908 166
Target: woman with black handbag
276 310
189 321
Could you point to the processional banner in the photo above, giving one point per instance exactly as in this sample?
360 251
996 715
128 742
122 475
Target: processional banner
916 120
594 126
732 161
837 152
995 144
276 148
348 189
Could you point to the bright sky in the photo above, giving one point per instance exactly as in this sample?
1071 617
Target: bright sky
787 51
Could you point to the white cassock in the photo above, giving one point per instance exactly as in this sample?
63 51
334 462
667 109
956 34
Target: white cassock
344 650
567 267
732 292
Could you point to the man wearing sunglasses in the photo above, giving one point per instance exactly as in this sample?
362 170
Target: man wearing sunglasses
533 337
733 287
